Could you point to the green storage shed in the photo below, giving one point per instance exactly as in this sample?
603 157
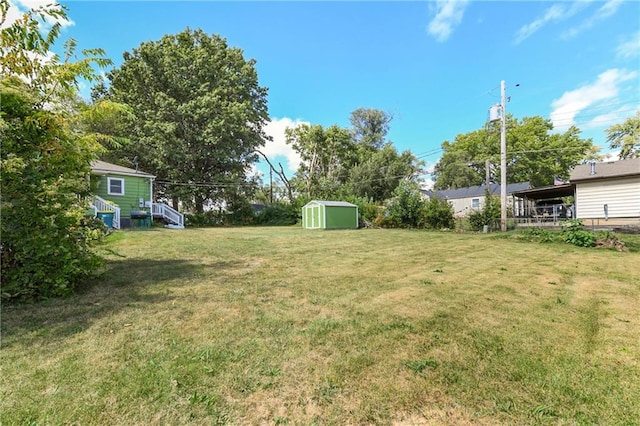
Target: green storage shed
329 215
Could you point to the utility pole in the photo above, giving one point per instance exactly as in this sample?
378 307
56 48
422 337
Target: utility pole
487 173
503 158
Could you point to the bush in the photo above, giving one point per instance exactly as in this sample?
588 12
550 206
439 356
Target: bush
46 246
488 215
573 233
405 210
278 215
368 211
438 214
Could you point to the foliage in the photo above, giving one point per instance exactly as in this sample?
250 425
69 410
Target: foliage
368 210
46 241
200 115
487 215
405 209
360 162
278 215
204 219
573 232
438 214
529 142
378 173
369 129
626 137
25 52
46 247
323 153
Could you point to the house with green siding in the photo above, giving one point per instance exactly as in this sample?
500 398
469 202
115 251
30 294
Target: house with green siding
128 194
318 214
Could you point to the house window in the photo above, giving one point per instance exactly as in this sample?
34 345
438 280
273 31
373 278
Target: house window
475 203
115 186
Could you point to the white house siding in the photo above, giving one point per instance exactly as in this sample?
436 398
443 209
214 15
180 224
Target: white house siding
622 198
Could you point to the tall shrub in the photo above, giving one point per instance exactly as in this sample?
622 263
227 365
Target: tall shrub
438 214
46 242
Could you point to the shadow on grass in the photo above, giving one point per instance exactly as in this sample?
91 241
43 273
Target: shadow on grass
126 283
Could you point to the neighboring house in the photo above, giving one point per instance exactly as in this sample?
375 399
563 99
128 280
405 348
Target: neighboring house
132 193
465 200
329 215
608 191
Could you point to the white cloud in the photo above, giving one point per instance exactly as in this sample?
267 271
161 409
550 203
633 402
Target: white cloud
572 103
556 13
20 7
610 117
606 10
278 147
629 48
448 16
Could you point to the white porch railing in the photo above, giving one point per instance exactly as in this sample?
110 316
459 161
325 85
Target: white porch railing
101 205
169 213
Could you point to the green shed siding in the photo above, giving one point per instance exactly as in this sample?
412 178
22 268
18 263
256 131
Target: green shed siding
134 189
341 217
329 215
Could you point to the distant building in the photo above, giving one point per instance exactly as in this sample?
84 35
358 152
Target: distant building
465 200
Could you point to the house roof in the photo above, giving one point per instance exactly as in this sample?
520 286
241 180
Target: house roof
332 203
476 191
102 168
609 170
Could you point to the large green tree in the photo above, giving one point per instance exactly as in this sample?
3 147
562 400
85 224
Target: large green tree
534 153
44 162
359 162
324 154
626 137
200 114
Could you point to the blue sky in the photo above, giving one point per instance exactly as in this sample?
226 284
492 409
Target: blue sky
436 66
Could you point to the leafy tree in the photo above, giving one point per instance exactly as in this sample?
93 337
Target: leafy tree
370 128
534 154
44 162
357 162
379 172
323 153
200 113
626 137
405 209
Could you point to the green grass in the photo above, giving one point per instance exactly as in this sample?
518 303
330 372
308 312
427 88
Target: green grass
287 326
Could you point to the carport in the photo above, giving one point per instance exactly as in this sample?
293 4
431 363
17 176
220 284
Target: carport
532 197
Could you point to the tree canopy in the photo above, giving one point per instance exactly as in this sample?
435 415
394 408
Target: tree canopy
199 114
359 161
534 153
626 137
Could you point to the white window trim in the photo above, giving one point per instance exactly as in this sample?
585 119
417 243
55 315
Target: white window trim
109 186
477 200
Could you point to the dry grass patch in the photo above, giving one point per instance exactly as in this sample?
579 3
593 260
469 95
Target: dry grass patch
286 326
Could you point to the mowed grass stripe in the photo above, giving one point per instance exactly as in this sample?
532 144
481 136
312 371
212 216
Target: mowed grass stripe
286 326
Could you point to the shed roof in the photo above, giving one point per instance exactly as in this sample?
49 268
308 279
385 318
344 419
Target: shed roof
477 191
332 203
609 170
102 168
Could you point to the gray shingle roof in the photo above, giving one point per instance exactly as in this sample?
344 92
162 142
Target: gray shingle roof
477 191
612 169
102 167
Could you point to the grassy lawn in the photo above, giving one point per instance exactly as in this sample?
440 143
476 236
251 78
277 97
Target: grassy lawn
286 326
